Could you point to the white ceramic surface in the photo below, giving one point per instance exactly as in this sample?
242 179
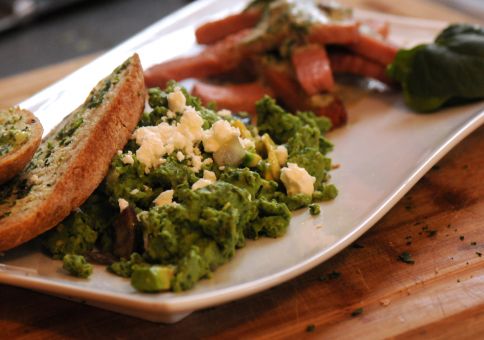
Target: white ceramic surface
383 151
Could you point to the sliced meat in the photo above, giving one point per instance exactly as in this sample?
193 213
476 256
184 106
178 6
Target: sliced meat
216 30
331 106
340 33
357 65
237 98
312 68
291 94
216 59
284 85
374 48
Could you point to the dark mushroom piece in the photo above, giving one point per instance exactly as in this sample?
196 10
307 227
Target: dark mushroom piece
125 230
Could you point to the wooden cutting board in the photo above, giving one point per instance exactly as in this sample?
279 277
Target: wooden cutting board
363 292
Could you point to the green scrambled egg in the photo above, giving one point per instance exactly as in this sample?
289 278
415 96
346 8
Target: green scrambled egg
192 185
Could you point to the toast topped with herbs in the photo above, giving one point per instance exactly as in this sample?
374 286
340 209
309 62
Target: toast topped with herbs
74 157
20 135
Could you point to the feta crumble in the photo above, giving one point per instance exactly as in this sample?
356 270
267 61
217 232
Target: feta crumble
166 197
123 204
297 180
209 177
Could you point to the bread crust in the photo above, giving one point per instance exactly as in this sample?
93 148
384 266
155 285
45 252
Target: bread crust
14 162
120 115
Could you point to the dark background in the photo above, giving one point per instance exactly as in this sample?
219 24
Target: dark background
83 28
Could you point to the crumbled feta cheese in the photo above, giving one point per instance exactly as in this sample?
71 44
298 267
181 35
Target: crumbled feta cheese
281 154
180 156
297 180
176 100
166 197
119 152
128 159
196 163
224 113
247 143
170 114
123 204
134 191
207 161
209 177
157 141
219 134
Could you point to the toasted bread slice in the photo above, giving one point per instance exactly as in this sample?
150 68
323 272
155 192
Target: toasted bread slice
20 136
74 157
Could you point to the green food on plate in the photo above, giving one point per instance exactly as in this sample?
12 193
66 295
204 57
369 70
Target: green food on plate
77 265
448 71
193 185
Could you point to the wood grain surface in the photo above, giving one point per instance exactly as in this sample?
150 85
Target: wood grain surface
439 222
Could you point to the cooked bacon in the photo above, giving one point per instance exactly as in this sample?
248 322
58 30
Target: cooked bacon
312 68
357 65
286 88
374 48
237 98
216 30
341 33
331 106
216 59
288 91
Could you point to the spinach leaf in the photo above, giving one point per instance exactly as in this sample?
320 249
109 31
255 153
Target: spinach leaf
450 70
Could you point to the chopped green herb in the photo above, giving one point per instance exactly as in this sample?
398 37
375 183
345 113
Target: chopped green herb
357 312
478 254
310 328
461 237
431 233
473 243
314 209
406 258
330 276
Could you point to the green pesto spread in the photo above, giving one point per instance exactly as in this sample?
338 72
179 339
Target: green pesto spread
14 131
175 244
293 19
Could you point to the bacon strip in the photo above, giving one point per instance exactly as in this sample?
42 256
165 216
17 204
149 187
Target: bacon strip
342 33
216 59
216 30
288 91
312 68
357 65
237 98
374 48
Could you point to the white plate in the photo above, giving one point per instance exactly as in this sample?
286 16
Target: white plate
383 151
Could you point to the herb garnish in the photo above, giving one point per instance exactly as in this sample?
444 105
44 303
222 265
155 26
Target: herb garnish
357 312
406 258
310 328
